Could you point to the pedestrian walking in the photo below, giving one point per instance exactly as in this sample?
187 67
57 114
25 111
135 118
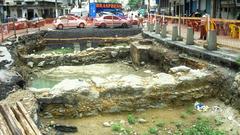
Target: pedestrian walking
140 21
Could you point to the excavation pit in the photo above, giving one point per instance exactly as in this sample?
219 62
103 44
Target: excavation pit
72 85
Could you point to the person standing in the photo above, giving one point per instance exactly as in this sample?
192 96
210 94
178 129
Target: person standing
203 32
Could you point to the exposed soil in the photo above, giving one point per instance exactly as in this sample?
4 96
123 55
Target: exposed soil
173 119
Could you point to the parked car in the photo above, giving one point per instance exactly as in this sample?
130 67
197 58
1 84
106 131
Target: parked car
69 21
21 23
36 22
111 21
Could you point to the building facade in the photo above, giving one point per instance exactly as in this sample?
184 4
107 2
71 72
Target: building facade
32 8
228 9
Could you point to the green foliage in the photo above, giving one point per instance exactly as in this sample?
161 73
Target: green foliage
183 115
117 127
190 110
114 1
153 130
218 121
160 124
238 60
202 127
134 4
131 119
179 124
128 131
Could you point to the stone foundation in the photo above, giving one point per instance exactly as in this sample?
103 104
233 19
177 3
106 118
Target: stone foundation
86 57
118 93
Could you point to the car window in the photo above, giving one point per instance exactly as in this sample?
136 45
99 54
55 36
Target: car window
107 17
71 18
63 17
115 18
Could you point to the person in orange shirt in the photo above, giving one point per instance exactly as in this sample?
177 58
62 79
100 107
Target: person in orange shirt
203 30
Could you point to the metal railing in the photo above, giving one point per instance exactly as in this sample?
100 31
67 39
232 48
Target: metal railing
14 29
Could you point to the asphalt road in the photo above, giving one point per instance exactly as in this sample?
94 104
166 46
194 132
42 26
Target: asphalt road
93 32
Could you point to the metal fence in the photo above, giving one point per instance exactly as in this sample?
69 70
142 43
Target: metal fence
228 31
14 29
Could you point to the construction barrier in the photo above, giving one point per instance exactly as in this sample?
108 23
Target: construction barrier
14 28
228 31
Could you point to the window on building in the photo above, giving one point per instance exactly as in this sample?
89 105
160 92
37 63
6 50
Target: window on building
225 9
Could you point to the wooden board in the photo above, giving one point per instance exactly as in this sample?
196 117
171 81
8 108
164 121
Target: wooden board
27 128
28 118
4 130
12 122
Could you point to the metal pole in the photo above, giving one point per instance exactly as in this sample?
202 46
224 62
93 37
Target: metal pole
112 21
27 26
56 8
14 28
39 24
179 21
1 25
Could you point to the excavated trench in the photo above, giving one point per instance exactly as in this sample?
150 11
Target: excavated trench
107 80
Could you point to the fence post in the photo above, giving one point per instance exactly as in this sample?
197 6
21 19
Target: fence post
27 26
148 25
14 29
151 27
179 22
212 40
174 33
190 35
164 31
157 28
39 24
1 32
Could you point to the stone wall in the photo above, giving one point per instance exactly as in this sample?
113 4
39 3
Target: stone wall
86 57
153 53
118 93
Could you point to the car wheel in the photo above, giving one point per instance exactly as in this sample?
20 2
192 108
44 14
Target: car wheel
81 25
124 25
60 26
103 25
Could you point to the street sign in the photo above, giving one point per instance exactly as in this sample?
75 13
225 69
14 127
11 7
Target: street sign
92 10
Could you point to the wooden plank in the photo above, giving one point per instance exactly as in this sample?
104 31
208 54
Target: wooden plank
4 130
12 122
28 118
27 128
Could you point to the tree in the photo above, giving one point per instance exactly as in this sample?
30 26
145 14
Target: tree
134 4
114 1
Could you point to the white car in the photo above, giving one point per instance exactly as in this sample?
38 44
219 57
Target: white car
69 21
111 21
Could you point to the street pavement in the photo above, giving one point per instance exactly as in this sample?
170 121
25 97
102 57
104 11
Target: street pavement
93 32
